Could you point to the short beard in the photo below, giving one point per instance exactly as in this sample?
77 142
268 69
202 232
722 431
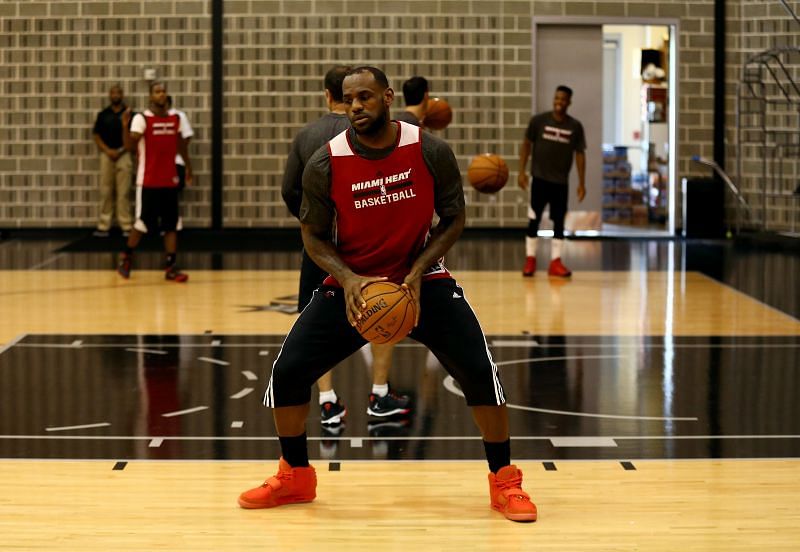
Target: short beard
374 127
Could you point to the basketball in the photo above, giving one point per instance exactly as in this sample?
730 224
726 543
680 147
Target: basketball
438 114
487 173
390 313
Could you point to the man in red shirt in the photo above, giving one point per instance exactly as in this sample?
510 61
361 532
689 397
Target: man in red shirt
368 200
157 137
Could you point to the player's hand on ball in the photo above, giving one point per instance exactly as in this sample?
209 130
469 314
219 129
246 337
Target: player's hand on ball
353 301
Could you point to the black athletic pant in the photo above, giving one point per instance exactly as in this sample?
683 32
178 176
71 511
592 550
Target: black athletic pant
311 277
542 193
322 337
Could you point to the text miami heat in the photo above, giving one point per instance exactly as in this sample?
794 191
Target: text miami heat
385 196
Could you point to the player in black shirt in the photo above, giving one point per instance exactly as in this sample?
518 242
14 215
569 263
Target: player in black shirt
552 138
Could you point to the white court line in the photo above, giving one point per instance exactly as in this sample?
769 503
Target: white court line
182 412
243 393
13 343
511 343
604 416
214 361
546 359
450 385
387 438
155 443
238 424
77 343
49 260
164 345
250 375
762 303
563 345
216 342
148 351
84 426
682 345
583 442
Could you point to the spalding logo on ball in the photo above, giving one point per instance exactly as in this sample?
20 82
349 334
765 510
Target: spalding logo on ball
390 313
487 173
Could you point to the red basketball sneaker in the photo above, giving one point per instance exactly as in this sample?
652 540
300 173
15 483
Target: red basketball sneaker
508 498
288 486
124 267
174 274
557 268
530 266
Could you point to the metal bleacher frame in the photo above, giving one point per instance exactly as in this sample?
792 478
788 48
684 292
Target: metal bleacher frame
768 118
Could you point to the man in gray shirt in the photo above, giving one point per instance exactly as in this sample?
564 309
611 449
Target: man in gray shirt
552 137
415 94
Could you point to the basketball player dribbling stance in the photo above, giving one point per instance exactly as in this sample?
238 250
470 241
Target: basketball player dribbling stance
383 236
384 402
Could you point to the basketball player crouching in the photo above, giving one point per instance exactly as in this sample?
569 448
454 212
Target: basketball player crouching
386 240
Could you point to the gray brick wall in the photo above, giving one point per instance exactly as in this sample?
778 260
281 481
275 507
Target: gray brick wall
477 54
59 57
58 60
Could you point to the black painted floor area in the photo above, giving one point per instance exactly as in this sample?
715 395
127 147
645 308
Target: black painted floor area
584 397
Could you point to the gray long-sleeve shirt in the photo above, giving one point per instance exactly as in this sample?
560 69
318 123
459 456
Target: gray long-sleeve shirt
310 138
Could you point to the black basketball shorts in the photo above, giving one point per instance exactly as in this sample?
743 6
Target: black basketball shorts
322 337
156 208
544 192
311 277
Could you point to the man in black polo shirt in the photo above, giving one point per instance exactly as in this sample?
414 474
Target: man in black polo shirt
115 166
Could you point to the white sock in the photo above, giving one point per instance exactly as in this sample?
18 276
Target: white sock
328 396
555 249
530 246
366 353
380 390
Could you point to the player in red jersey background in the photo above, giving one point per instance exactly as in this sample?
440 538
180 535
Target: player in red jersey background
156 136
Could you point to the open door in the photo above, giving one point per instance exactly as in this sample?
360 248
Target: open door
631 137
572 55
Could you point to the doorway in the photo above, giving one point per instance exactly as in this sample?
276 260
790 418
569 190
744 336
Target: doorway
624 73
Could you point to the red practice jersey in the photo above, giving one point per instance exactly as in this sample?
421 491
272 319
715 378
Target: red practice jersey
384 207
158 147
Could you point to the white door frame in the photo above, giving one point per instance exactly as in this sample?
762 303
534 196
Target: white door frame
674 25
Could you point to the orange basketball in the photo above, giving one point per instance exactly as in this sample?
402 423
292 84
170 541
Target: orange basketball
487 173
389 315
438 114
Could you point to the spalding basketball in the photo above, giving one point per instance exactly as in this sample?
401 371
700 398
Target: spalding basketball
487 173
389 315
438 114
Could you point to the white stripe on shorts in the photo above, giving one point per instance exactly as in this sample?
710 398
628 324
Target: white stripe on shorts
499 396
